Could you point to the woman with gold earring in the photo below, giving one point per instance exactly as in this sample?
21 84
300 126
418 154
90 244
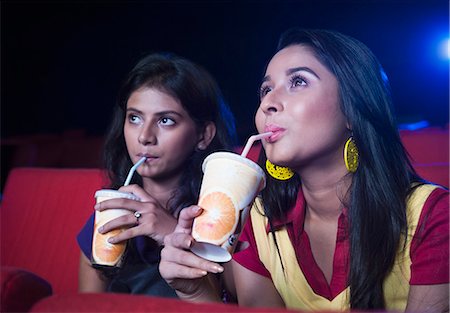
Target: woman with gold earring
351 226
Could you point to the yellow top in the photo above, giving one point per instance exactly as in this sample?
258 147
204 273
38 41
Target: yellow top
293 286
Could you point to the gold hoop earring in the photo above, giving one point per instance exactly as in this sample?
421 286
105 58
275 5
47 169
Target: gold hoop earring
351 155
278 172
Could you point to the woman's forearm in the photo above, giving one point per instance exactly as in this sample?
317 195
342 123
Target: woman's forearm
208 290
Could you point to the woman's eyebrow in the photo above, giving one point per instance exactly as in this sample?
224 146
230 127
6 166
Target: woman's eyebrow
265 78
301 68
134 110
294 70
160 113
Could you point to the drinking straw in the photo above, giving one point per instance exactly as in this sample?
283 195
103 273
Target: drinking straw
251 140
131 172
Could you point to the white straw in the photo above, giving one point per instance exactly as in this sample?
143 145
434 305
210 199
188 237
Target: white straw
130 174
251 140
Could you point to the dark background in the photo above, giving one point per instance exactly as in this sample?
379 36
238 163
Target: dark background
62 62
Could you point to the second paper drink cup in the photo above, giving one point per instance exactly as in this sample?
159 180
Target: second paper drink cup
229 187
103 252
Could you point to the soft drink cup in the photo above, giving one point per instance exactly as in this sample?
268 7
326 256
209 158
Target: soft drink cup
103 252
229 186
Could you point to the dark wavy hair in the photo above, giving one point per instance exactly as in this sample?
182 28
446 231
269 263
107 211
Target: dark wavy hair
199 95
382 182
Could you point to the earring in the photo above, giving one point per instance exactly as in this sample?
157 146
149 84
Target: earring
200 147
278 172
351 155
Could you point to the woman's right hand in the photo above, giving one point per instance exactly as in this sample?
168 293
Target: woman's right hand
155 221
184 271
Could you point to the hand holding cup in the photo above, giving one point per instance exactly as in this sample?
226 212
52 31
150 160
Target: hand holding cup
183 270
146 217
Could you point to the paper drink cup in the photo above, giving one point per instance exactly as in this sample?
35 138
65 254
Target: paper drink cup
103 252
229 187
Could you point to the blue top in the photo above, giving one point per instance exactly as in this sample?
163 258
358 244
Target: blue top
139 273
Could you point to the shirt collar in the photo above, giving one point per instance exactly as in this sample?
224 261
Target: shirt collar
295 216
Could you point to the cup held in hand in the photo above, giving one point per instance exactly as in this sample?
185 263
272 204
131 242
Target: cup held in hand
103 252
230 184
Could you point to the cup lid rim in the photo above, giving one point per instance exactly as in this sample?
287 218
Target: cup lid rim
235 157
115 194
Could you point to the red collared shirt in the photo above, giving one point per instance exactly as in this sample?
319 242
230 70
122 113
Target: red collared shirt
429 253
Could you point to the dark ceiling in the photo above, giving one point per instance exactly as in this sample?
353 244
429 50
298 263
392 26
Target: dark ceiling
62 63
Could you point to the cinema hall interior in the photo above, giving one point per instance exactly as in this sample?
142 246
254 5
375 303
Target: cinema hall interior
76 95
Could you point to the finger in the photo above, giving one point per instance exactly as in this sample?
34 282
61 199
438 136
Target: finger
123 221
186 218
179 240
118 203
170 271
138 191
176 250
188 262
125 235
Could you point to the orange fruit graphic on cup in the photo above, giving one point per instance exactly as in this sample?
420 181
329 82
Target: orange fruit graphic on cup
218 220
105 252
229 186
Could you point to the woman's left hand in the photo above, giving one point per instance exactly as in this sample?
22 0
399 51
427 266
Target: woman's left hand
155 221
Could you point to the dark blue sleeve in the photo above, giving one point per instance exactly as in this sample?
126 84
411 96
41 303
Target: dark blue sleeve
84 237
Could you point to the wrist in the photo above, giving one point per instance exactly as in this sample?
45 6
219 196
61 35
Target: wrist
207 290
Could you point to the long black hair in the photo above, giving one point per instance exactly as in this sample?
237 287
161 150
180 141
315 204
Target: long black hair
199 95
380 186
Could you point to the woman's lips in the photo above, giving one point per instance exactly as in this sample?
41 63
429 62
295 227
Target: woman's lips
148 156
277 132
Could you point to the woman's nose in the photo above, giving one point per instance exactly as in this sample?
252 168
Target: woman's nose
272 102
147 136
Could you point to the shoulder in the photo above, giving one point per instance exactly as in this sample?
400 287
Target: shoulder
430 245
439 195
427 197
436 206
428 213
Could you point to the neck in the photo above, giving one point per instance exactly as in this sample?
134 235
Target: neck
325 189
161 189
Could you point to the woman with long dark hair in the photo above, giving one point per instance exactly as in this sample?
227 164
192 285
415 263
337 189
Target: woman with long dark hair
350 225
171 111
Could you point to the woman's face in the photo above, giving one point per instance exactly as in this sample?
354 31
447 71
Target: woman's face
300 103
159 128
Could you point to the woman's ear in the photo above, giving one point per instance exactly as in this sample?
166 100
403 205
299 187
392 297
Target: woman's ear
349 127
209 131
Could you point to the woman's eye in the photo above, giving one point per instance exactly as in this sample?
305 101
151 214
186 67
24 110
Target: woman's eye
264 90
297 81
134 119
166 121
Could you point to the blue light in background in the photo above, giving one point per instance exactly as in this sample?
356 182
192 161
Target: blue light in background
444 49
436 47
414 126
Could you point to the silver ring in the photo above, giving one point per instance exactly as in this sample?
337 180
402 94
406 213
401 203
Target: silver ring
137 215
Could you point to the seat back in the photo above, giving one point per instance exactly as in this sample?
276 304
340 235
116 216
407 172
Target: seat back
427 146
429 152
42 211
